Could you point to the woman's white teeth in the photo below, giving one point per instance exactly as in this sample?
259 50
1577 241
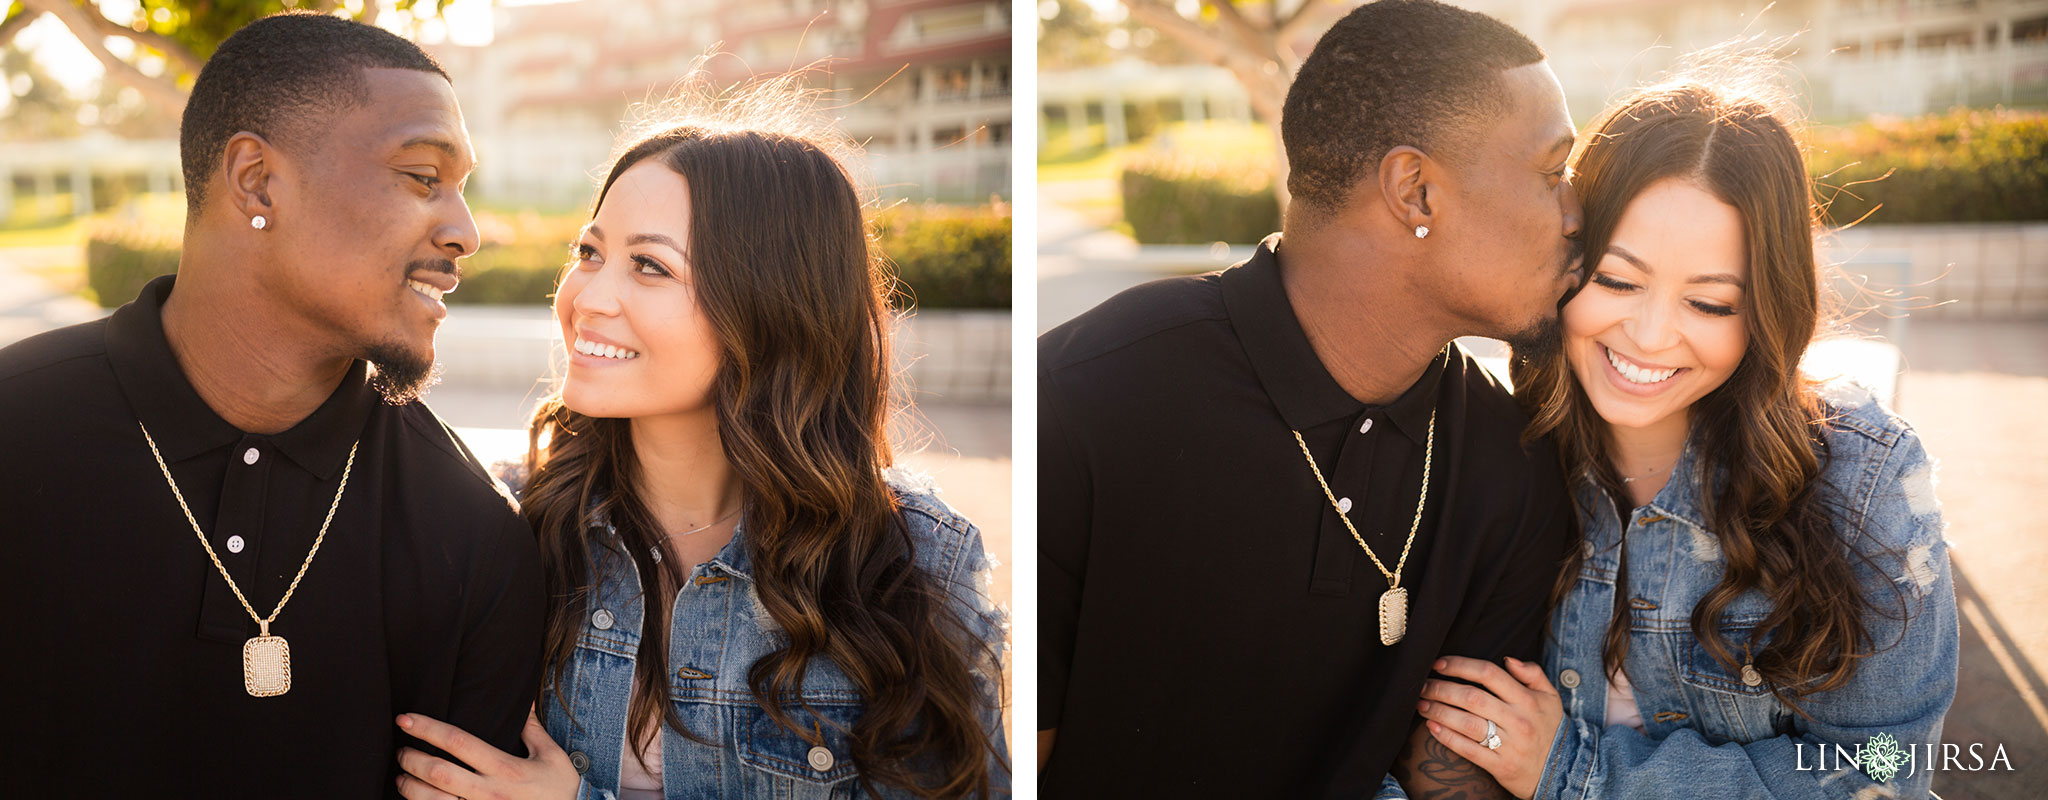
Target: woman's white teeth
1636 374
590 348
427 289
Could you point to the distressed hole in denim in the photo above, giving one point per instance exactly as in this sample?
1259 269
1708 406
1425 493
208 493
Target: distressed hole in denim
706 580
1641 603
689 673
1704 546
1919 488
1670 716
1920 569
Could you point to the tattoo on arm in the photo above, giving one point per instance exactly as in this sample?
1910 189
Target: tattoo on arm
1430 771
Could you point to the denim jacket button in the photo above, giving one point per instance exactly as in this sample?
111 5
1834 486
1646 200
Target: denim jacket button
602 619
1751 677
580 761
1570 678
821 759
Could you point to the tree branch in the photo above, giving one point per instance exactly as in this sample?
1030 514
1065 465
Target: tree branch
15 23
174 52
79 19
1249 35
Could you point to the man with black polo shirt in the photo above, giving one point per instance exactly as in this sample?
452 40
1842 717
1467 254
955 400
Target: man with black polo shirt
1271 497
236 546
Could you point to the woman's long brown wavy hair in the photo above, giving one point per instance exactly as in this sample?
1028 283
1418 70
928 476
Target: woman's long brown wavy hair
1758 435
783 267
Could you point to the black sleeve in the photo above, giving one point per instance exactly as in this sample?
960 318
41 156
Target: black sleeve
498 670
1510 622
1065 507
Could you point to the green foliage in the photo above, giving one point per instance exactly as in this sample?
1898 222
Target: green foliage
201 25
945 257
118 261
1190 194
1963 166
948 256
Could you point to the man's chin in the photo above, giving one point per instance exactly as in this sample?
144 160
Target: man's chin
400 373
1539 341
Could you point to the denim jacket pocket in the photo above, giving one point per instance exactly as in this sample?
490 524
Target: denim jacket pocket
1704 671
1732 704
816 764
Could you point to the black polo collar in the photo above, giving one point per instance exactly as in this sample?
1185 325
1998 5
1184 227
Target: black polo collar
183 425
1293 377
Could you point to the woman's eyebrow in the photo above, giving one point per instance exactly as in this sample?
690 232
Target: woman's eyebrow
643 238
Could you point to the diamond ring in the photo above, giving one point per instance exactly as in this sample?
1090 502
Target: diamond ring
1492 740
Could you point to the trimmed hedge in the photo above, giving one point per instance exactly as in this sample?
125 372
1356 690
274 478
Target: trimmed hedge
1963 166
118 262
945 257
1184 196
948 257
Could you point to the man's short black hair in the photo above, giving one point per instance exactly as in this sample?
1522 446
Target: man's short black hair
281 78
1393 72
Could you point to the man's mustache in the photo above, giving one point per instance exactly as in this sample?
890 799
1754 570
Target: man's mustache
441 265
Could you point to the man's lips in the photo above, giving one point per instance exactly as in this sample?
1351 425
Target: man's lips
443 275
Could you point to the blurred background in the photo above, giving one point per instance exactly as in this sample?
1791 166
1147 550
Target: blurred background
91 204
1158 155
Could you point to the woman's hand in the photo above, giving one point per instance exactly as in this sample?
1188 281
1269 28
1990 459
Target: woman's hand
1525 711
545 775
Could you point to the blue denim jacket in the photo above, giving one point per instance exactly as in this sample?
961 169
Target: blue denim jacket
1718 732
718 629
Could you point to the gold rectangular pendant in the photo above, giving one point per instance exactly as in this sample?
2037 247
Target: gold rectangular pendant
1393 616
266 666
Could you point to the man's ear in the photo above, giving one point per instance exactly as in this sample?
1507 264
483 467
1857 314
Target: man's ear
1405 177
248 165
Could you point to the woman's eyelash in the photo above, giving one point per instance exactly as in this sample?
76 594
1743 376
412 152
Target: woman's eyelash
1709 309
649 263
582 252
428 181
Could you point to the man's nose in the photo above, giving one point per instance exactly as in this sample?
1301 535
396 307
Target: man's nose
1574 213
457 234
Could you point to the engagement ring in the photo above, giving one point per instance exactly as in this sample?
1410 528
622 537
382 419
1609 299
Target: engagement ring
1492 740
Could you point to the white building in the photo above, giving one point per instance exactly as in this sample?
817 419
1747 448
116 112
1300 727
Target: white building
1852 58
925 84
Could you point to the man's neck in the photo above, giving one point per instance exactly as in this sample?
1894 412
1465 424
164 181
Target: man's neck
1369 332
257 372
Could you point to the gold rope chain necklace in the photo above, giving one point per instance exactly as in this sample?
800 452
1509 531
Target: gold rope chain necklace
266 659
1393 604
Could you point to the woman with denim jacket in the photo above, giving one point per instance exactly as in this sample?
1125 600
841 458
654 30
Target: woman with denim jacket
748 602
1762 577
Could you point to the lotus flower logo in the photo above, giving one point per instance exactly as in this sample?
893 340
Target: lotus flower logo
1881 757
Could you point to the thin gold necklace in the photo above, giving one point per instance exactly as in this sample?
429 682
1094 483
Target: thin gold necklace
266 659
707 526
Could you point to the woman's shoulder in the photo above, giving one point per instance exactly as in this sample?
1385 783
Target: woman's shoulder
945 540
1876 465
512 473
